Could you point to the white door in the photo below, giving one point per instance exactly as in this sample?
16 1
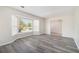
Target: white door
56 27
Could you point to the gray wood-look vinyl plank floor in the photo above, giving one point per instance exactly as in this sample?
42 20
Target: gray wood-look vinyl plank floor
41 44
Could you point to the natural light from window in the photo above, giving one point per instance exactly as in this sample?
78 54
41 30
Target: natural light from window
24 25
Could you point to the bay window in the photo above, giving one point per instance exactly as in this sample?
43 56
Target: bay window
24 25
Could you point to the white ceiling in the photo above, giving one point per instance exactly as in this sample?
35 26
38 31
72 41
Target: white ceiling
44 11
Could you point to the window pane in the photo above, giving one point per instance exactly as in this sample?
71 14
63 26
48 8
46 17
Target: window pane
25 25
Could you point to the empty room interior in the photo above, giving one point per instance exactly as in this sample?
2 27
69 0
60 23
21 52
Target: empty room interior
39 29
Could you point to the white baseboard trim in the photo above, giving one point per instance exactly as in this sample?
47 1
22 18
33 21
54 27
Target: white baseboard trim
15 38
8 42
76 44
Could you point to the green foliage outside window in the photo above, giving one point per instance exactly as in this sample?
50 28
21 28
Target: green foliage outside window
24 26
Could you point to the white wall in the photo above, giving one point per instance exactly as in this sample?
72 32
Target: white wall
5 24
48 28
67 26
70 25
67 23
76 26
42 26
